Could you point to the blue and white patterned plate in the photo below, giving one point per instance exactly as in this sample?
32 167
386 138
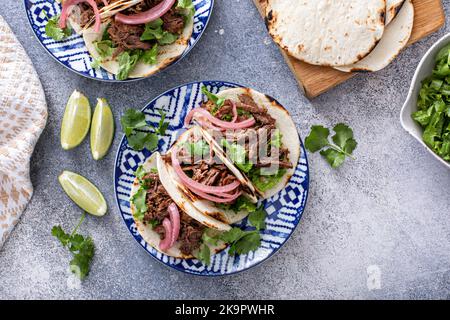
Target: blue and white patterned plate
71 52
284 209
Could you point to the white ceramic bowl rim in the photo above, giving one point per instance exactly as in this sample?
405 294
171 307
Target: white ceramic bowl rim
419 75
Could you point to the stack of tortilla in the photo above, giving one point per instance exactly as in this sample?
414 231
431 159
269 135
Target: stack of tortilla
352 35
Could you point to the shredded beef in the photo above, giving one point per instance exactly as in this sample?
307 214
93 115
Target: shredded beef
173 22
127 36
158 200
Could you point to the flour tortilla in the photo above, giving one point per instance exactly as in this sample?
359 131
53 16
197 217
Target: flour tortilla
218 217
146 231
284 123
392 9
326 32
395 38
167 54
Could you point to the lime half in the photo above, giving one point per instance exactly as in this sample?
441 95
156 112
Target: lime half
83 193
102 129
76 121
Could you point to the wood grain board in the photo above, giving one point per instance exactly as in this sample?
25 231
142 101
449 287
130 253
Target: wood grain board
429 17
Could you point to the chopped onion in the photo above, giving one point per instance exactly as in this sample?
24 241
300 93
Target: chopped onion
146 16
165 244
220 123
174 215
190 183
66 10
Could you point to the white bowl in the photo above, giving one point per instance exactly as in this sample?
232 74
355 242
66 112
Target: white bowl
424 69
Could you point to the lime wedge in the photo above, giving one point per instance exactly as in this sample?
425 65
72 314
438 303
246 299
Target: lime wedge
83 193
102 129
76 121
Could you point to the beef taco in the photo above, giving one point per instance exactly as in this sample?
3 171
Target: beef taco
253 134
130 38
166 226
205 182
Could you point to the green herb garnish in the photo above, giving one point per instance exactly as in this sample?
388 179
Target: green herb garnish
433 106
335 154
154 31
213 98
139 134
241 242
81 247
237 154
188 5
53 30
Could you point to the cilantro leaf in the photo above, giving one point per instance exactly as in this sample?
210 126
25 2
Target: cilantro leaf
127 61
237 154
139 202
204 254
132 119
150 56
249 242
263 181
53 30
154 31
335 154
333 157
104 48
81 247
243 203
188 5
241 242
317 138
344 138
199 148
257 218
140 172
212 97
162 125
276 139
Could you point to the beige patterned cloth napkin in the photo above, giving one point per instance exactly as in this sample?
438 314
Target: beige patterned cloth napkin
23 115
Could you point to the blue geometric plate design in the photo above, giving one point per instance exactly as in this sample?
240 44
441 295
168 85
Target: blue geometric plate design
71 52
284 210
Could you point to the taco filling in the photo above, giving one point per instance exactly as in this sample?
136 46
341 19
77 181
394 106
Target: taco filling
249 136
166 218
132 32
205 176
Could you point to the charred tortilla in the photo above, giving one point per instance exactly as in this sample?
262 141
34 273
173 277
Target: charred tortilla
147 231
395 38
326 32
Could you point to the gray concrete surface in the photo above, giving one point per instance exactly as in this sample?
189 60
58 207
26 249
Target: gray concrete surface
385 214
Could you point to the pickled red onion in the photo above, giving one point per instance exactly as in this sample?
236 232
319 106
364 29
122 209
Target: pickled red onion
66 8
165 244
174 215
146 16
227 198
190 183
220 123
235 114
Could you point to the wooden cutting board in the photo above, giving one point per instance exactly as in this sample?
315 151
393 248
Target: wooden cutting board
429 16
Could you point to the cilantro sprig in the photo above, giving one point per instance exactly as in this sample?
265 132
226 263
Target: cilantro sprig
139 134
154 31
81 247
335 153
53 30
240 241
213 98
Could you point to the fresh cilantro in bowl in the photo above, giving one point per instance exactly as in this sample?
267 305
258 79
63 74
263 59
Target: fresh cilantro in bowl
433 106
